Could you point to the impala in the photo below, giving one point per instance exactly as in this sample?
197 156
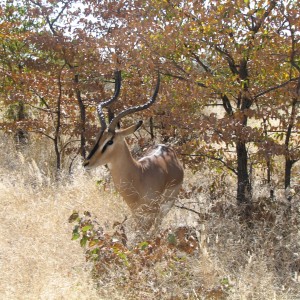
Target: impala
149 185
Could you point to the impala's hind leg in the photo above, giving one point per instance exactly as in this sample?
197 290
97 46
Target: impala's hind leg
167 203
144 218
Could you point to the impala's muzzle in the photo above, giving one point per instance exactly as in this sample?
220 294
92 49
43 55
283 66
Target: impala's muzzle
86 163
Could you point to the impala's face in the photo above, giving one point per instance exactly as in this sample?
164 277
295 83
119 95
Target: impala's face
101 151
107 146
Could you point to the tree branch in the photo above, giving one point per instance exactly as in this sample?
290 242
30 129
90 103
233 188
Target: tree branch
187 208
273 88
42 133
212 158
182 78
200 62
226 104
259 23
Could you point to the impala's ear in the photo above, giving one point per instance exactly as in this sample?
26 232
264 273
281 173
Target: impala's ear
131 129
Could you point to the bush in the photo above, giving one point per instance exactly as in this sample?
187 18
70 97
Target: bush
160 267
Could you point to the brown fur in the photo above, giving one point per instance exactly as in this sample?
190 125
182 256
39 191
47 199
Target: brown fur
150 185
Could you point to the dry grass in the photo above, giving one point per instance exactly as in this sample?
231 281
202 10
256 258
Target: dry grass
38 260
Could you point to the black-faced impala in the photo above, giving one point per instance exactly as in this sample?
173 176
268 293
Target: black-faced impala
149 185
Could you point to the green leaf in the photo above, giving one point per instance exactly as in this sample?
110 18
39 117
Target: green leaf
86 228
95 251
225 281
83 241
75 236
121 255
99 182
143 245
172 239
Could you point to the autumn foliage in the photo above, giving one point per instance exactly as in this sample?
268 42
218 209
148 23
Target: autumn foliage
230 92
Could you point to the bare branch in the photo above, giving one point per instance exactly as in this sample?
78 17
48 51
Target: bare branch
187 208
276 87
42 133
48 110
182 78
200 62
212 158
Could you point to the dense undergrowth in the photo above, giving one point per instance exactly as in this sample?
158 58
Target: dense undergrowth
205 250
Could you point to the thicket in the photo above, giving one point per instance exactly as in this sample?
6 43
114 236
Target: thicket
230 79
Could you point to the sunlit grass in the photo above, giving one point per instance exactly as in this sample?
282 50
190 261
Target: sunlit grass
39 260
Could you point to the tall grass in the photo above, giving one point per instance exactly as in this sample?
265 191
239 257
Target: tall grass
38 260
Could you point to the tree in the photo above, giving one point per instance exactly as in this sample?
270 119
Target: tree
291 29
237 60
233 53
46 75
14 28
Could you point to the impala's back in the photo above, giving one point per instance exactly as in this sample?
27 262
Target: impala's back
162 168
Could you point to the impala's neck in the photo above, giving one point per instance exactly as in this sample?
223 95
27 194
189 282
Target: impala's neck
125 171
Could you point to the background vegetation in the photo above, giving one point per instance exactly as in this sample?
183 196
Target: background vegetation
229 104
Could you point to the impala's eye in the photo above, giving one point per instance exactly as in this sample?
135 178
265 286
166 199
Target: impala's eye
110 142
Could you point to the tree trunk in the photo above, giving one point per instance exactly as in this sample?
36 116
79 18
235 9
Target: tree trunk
269 178
57 133
21 135
288 171
288 160
268 163
287 176
243 184
57 154
82 118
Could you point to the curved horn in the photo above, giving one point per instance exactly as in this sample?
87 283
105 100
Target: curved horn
134 109
109 101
